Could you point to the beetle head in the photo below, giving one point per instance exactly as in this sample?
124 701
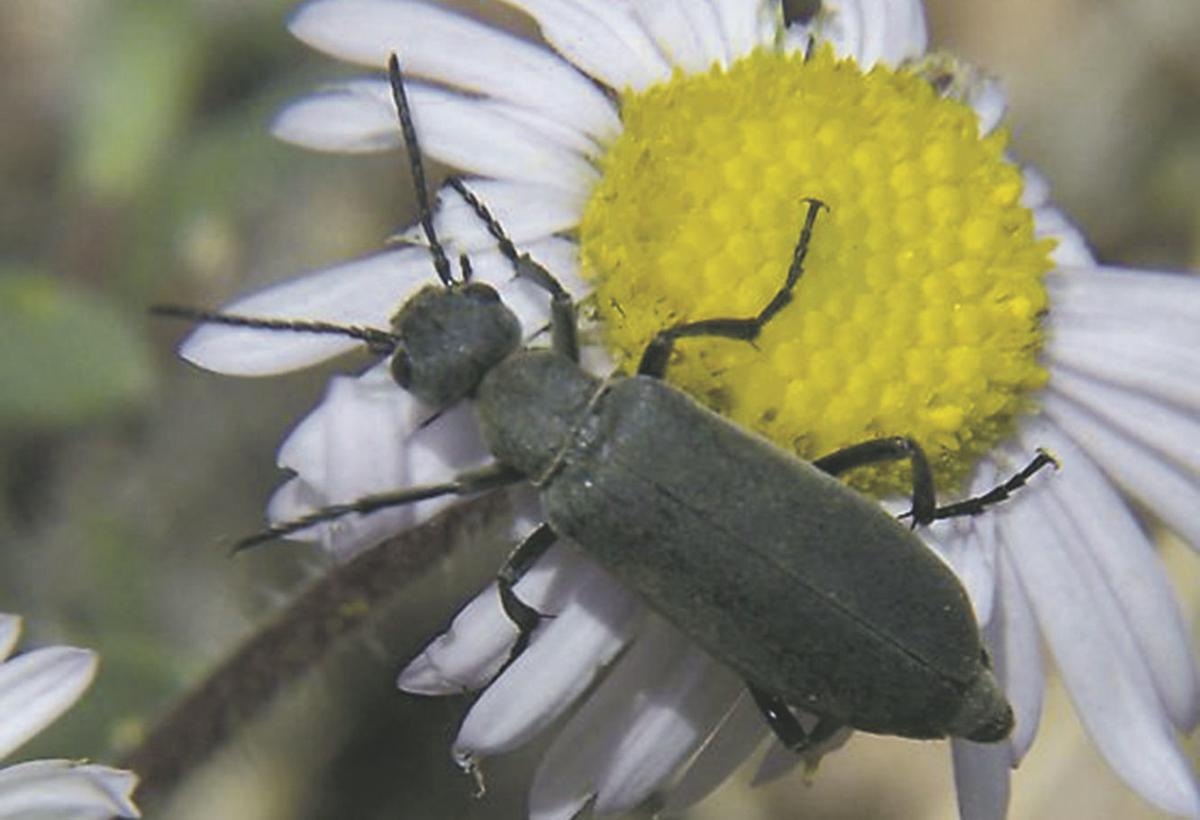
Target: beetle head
449 337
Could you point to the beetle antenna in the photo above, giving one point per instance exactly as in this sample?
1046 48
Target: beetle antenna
424 212
464 264
379 342
487 218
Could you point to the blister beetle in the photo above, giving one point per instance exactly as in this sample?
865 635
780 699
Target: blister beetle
810 591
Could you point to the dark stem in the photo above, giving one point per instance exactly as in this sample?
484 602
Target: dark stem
282 651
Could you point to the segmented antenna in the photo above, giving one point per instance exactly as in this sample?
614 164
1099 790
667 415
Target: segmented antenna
379 342
440 263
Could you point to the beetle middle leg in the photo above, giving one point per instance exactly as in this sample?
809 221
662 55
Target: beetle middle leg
564 333
924 501
523 616
658 352
786 726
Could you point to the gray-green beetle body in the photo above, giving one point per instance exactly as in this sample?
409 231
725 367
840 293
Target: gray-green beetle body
808 589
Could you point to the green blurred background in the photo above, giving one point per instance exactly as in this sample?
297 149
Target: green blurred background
137 168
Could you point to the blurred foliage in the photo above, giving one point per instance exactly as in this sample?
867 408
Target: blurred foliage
67 355
137 169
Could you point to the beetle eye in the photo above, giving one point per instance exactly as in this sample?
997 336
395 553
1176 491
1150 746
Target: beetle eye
482 293
402 369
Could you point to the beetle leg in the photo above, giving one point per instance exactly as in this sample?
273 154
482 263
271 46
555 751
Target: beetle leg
1001 492
892 448
485 478
925 509
786 727
563 328
658 351
523 616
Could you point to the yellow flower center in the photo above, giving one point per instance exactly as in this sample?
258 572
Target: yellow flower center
919 309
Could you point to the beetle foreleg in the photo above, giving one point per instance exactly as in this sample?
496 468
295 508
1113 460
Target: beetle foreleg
563 328
475 481
786 727
658 351
523 616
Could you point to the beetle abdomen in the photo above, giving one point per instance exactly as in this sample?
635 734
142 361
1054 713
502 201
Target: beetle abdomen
807 588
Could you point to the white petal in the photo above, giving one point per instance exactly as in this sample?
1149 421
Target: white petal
64 788
1112 691
1170 431
365 292
743 24
36 687
564 657
1140 360
368 436
981 779
340 119
528 212
986 96
1133 571
645 719
1167 491
1034 194
10 630
683 33
740 733
431 42
469 654
1072 249
601 39
474 135
1017 651
1129 297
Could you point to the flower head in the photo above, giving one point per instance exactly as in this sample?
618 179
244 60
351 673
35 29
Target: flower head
35 688
946 299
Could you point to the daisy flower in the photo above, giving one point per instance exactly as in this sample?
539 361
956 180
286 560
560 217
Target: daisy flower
655 156
35 688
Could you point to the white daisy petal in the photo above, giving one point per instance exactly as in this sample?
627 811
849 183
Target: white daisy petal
981 779
1104 674
1167 491
1139 360
66 789
1137 579
10 630
474 135
1125 297
528 212
690 704
365 293
36 687
644 720
470 653
339 119
742 24
1161 427
986 96
1072 249
600 39
684 34
1035 192
1016 649
740 733
431 42
564 657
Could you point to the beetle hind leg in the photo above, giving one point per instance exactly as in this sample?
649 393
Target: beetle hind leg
524 617
786 726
